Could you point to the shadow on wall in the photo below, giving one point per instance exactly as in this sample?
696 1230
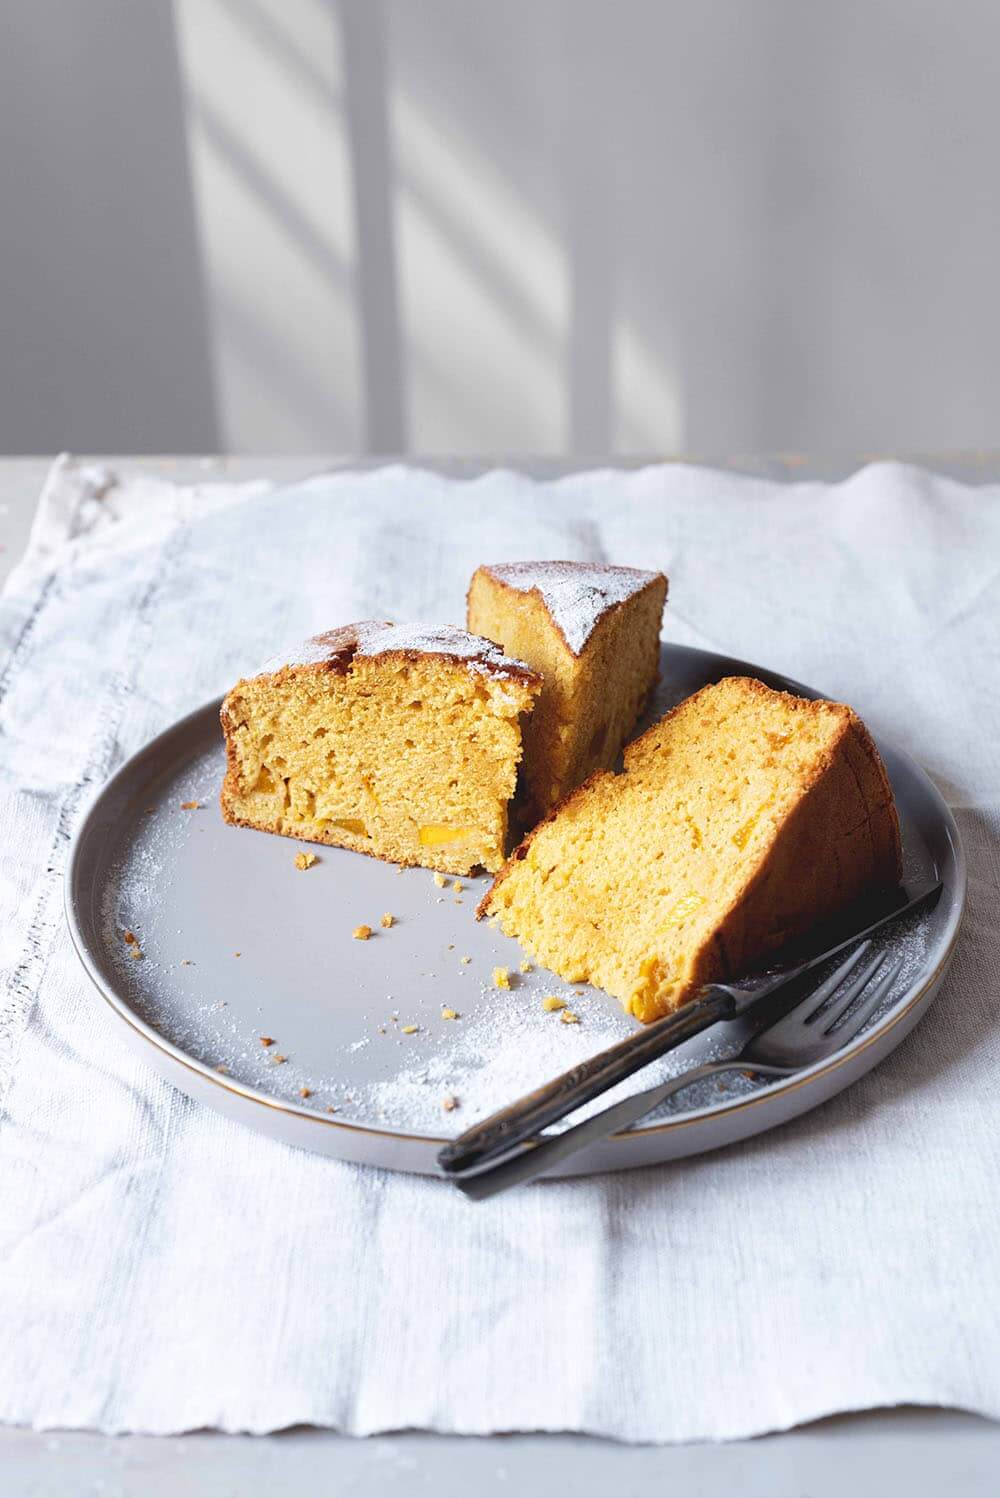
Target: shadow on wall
427 300
545 225
771 224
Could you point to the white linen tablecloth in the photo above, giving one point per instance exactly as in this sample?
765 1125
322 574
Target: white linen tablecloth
162 1269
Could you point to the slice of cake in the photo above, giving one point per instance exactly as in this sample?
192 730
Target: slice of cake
741 820
396 740
593 633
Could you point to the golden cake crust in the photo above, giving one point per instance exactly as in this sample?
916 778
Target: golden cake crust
335 649
576 595
802 875
592 631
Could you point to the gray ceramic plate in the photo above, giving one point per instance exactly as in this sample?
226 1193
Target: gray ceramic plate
240 945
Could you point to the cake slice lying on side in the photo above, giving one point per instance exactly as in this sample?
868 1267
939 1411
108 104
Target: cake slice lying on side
741 820
593 633
395 740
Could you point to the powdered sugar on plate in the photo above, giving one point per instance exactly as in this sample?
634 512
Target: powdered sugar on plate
576 594
406 1032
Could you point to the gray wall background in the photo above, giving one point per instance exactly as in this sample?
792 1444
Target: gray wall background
457 226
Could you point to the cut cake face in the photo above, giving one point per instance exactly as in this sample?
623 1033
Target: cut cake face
592 632
401 741
741 820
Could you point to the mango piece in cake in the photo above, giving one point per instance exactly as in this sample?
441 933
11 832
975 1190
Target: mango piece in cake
399 741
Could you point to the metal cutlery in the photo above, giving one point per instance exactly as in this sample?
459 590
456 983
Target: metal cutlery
520 1124
817 1027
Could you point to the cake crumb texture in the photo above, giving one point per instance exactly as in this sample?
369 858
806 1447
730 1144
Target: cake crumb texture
408 752
741 819
592 632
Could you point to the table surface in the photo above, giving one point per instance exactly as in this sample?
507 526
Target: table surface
920 1452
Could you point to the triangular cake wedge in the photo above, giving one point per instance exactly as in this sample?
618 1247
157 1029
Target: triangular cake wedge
593 633
402 741
742 819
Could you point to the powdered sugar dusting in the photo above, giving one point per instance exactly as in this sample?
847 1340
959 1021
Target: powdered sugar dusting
507 1045
443 639
373 637
576 594
237 945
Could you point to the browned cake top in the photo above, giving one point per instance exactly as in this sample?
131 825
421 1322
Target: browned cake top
336 648
576 594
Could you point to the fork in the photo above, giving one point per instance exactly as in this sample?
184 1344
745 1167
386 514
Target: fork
819 1025
522 1122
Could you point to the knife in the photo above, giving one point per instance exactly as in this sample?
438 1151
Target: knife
522 1120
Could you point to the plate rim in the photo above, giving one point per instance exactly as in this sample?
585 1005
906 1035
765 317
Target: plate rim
725 1108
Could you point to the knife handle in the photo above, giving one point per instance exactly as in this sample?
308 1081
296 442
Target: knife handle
522 1120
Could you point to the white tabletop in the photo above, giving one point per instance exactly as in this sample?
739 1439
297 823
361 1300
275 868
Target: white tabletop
916 1451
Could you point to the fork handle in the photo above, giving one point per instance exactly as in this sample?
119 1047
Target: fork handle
521 1121
530 1163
